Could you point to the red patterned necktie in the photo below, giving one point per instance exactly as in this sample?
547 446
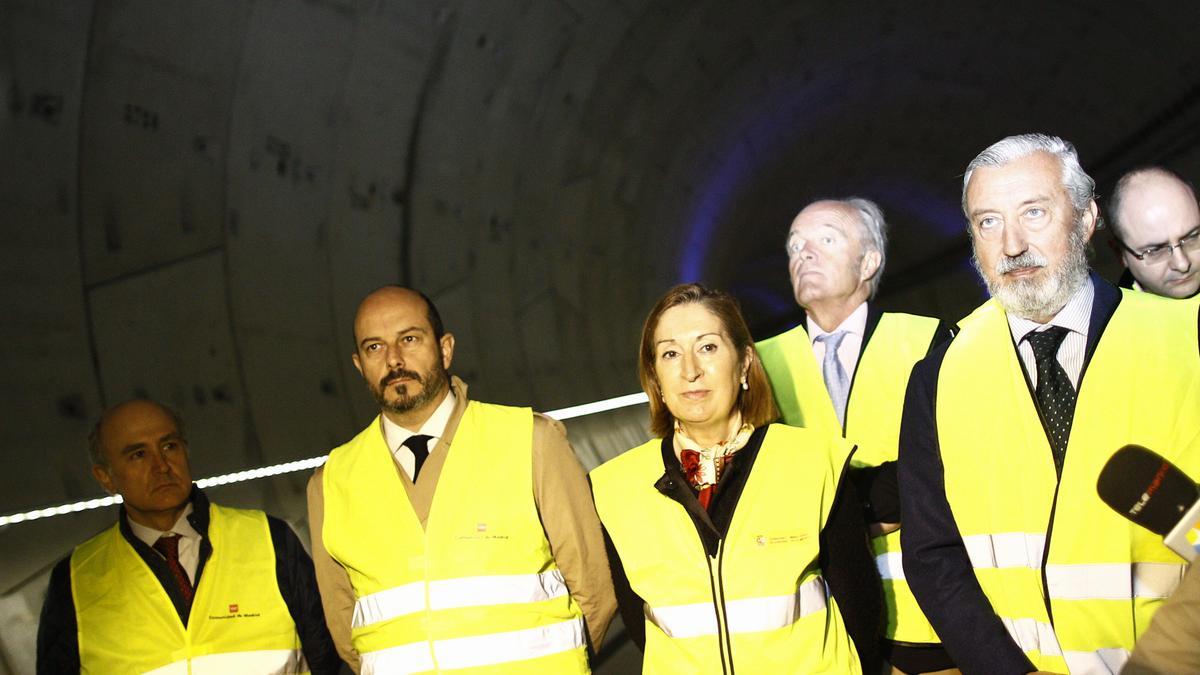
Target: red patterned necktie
168 545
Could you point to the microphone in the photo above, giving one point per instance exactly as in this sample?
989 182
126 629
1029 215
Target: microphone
1152 492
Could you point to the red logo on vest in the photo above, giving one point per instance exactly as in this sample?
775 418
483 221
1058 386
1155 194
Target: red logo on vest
233 609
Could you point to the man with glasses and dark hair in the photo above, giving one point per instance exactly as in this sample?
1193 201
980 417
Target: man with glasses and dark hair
1156 227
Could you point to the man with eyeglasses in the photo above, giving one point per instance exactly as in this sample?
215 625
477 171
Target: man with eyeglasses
1156 225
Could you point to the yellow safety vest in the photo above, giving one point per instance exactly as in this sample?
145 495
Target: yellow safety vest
238 621
478 589
760 605
1033 538
872 422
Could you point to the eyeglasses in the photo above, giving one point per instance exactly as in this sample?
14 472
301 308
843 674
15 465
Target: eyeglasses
1190 242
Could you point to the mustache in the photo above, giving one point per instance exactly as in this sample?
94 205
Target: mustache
400 372
1026 259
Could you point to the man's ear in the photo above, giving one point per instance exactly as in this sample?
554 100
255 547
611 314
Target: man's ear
447 347
870 265
357 363
1091 218
104 478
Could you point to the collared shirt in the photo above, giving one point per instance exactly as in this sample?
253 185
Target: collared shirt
189 540
435 427
1074 316
855 326
564 504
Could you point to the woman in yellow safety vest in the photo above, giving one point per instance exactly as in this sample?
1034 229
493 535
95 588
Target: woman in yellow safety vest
735 544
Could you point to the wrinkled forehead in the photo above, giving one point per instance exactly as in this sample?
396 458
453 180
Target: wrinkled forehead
825 215
134 420
1034 176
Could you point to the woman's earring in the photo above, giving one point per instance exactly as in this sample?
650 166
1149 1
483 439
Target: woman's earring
745 385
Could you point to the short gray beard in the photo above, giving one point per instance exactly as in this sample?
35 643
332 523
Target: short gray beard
1031 298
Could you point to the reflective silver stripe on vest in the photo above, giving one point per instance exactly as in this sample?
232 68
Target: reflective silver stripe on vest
267 661
453 593
1113 581
1100 662
1006 549
1032 635
1082 581
890 566
748 615
476 651
1037 636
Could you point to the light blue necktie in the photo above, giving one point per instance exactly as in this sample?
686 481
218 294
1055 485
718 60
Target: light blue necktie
836 380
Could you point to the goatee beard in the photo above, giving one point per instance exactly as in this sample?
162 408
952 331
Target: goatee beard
434 384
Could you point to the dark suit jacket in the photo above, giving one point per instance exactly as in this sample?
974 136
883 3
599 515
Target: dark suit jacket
57 640
935 560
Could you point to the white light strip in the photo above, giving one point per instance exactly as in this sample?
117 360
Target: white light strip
599 406
298 465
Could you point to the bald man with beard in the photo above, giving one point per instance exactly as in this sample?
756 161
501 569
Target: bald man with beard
453 534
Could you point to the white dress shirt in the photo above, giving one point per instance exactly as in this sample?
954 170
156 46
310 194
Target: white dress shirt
855 326
189 540
435 426
1075 317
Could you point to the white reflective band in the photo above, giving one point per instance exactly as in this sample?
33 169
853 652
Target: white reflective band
414 657
476 651
1032 635
890 566
1156 580
388 604
1006 549
748 615
1100 662
453 593
496 590
266 661
1112 581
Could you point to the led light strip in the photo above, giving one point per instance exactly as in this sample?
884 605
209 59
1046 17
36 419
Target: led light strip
298 465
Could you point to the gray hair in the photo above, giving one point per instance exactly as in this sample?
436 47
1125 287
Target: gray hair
96 446
1112 214
1079 185
875 228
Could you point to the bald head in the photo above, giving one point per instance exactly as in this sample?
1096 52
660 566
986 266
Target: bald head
1145 190
121 416
403 353
391 296
1153 208
139 453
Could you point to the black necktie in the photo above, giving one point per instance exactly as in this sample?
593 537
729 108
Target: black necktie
1055 395
419 444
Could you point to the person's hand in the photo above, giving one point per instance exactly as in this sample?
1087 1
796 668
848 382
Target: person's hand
880 529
